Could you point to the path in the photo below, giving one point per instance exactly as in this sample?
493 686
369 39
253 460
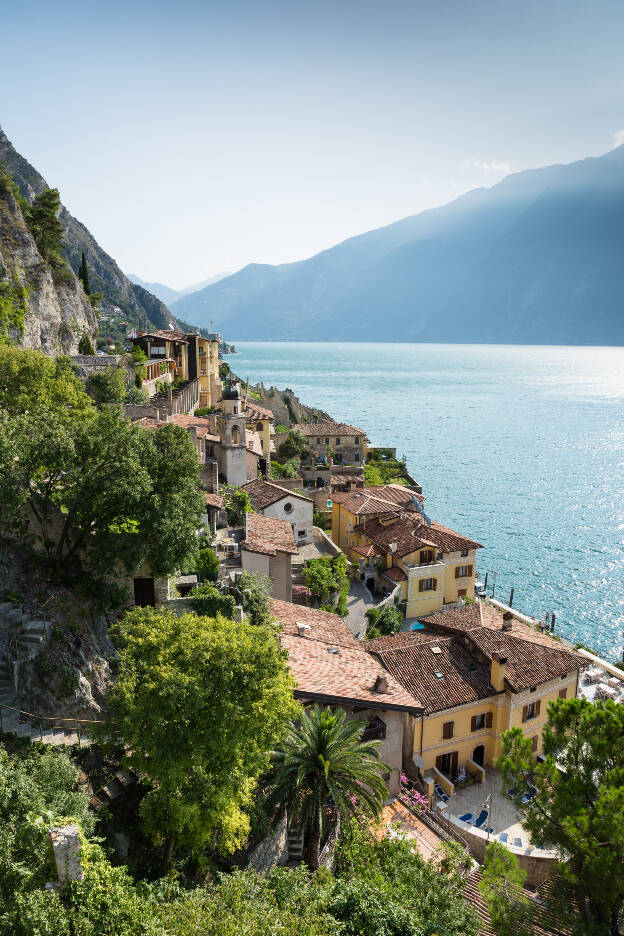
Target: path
358 603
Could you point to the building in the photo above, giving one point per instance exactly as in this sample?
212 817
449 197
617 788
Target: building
260 420
338 441
330 667
203 365
268 547
166 348
271 500
478 674
396 546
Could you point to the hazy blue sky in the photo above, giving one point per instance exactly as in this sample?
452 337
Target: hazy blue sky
193 137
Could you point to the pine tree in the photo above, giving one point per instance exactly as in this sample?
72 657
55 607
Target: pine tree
44 224
83 274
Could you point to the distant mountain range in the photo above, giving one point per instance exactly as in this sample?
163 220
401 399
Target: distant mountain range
537 258
168 295
140 306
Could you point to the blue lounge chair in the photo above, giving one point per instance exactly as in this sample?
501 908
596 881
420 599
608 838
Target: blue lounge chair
481 818
504 838
466 817
440 792
518 843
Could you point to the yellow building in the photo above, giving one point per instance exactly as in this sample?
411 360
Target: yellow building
165 350
477 673
259 419
204 365
382 530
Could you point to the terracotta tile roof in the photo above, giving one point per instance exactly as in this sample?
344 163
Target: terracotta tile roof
456 619
411 532
202 423
253 410
348 676
377 500
166 333
265 493
415 664
402 639
328 429
213 500
268 536
148 422
365 550
482 614
395 574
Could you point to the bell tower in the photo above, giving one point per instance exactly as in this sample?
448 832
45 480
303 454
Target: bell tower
232 436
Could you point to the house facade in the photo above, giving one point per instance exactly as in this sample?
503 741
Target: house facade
268 547
478 675
203 364
338 441
271 500
331 668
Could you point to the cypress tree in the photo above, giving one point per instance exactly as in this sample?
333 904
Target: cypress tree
83 274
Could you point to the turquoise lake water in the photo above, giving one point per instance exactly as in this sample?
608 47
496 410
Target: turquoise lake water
521 448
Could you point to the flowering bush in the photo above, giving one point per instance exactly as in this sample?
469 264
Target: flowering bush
411 797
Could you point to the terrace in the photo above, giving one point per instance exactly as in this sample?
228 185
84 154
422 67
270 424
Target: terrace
501 821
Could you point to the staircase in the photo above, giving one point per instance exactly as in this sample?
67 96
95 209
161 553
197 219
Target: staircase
25 640
295 845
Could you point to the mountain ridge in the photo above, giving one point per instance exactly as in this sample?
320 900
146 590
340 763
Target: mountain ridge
470 270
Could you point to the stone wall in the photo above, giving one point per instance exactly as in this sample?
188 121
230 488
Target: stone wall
271 851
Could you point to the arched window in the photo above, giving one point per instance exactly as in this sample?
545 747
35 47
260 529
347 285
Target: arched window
235 435
258 427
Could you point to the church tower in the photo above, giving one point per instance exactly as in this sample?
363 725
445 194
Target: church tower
232 436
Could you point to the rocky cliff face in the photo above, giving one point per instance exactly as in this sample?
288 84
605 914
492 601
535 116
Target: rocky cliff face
39 307
141 308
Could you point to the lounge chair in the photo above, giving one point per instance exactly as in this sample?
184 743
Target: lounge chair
481 818
503 837
517 843
466 817
440 793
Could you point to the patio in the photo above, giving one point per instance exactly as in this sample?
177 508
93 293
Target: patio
502 817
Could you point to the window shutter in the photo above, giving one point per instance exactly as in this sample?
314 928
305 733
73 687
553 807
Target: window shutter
538 706
421 585
488 720
473 723
454 760
439 762
525 713
456 571
563 693
447 730
469 570
534 743
434 584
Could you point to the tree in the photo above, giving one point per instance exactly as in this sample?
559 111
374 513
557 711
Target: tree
327 580
254 589
385 622
209 601
30 380
83 274
136 395
107 386
84 345
501 887
207 565
293 446
237 503
101 488
44 224
578 806
324 760
199 704
224 371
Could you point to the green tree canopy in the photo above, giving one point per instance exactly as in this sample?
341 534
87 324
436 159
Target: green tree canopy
83 274
578 807
84 345
323 759
107 386
501 887
385 622
102 487
237 503
293 446
209 601
254 589
327 580
45 227
30 380
207 565
199 703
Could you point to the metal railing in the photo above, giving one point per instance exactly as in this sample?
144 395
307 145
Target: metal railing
52 721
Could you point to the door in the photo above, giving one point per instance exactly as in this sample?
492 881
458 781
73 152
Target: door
144 596
478 755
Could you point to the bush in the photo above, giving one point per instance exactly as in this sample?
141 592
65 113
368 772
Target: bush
138 354
293 446
327 580
107 386
137 396
207 565
84 345
209 601
203 411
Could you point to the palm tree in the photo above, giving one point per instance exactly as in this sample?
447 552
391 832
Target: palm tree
324 762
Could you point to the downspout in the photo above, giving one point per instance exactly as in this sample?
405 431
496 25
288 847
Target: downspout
422 729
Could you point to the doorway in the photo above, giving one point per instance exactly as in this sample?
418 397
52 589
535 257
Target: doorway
144 596
478 755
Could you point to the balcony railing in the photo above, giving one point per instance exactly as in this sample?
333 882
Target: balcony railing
423 567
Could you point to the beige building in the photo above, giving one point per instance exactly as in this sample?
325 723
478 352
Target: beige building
330 667
268 547
478 673
338 441
271 500
203 356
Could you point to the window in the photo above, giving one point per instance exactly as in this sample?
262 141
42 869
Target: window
563 693
534 743
428 584
462 592
426 556
326 441
463 571
478 722
447 763
318 441
338 440
301 533
448 729
531 710
258 427
464 553
288 507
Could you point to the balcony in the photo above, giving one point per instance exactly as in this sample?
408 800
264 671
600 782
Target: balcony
416 567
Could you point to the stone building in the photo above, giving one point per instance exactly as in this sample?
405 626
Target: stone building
338 441
271 500
268 547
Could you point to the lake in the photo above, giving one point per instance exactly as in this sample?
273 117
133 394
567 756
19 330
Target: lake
518 447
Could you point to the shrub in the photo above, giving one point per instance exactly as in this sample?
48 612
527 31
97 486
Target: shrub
207 565
84 345
107 386
136 395
209 601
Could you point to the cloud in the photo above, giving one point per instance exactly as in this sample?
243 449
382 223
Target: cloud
500 167
618 138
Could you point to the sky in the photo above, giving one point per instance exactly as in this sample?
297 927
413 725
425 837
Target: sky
194 137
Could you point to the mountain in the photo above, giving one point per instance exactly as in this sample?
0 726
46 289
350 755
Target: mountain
169 295
42 303
140 307
536 258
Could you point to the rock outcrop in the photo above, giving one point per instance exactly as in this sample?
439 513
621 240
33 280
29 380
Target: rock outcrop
40 307
140 307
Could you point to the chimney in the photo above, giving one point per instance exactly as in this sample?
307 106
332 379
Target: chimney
497 671
302 629
507 621
381 684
